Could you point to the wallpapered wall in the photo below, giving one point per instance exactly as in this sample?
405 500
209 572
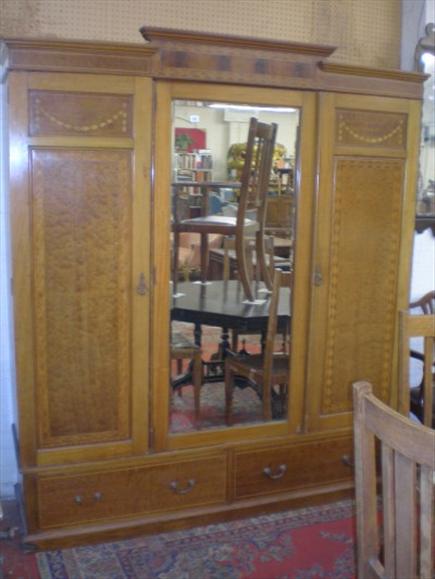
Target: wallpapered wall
366 32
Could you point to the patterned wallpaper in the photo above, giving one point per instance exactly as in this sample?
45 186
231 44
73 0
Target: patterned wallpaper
366 32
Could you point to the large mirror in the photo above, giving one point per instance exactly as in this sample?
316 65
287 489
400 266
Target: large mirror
233 211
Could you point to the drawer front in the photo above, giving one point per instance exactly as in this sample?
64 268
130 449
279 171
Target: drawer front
187 484
88 497
65 500
275 470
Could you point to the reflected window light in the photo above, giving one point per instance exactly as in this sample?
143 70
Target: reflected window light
428 59
252 108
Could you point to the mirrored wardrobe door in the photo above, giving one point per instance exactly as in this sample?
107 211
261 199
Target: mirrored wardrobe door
227 162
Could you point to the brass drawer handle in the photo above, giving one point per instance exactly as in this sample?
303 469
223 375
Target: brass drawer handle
282 469
78 499
182 491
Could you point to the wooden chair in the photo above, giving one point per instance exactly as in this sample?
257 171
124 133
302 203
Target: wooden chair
426 303
184 349
421 398
253 195
408 461
262 370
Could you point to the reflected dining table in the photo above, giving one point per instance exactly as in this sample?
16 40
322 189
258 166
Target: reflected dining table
223 304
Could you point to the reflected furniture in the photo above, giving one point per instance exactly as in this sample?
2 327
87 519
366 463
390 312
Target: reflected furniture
222 304
264 370
420 399
89 176
408 467
253 192
426 303
184 349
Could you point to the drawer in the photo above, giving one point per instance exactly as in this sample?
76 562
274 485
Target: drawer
188 484
275 470
83 498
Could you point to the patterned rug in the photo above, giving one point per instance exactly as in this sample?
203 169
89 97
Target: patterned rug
309 543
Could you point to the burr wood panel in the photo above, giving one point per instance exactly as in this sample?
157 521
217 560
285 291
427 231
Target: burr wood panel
365 241
84 114
81 282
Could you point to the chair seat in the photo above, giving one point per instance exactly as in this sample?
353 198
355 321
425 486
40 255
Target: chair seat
280 262
213 224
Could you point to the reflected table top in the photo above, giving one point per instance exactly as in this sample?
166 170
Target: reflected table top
223 304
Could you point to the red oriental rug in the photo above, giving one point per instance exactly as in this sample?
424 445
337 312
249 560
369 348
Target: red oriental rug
309 543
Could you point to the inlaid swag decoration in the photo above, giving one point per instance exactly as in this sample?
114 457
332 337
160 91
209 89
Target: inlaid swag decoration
59 113
367 128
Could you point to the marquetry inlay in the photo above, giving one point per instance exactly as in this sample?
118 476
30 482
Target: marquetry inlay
365 242
369 128
85 114
209 63
81 217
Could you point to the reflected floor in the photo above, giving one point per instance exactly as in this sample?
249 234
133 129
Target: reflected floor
247 405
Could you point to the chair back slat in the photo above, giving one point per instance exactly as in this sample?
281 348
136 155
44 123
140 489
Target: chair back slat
426 493
257 168
408 467
388 510
405 516
365 493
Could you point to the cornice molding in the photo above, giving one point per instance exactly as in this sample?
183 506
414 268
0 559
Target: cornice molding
165 35
385 73
77 46
51 55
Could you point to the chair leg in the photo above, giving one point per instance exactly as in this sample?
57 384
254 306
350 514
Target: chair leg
235 341
197 383
242 268
267 406
229 379
204 257
284 396
176 244
261 260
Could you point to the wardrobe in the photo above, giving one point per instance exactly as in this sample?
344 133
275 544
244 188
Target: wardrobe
89 138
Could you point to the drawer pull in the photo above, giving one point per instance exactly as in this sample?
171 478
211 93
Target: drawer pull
78 499
182 491
282 469
98 496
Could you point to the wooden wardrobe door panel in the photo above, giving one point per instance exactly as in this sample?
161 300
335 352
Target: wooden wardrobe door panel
363 240
81 246
81 239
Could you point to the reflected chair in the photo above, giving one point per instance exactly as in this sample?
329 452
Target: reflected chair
184 349
421 398
408 463
229 269
253 195
426 303
262 371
